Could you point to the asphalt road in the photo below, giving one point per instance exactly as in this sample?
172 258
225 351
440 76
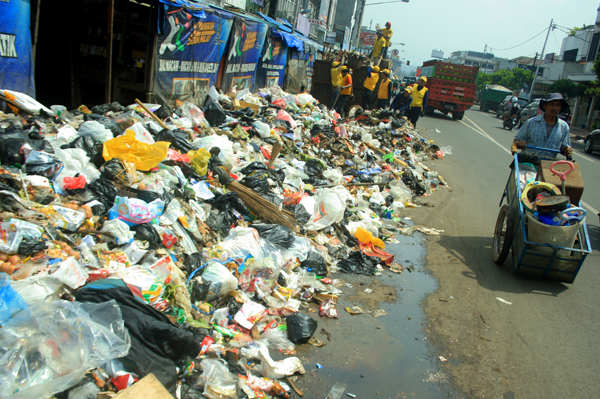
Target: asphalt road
545 343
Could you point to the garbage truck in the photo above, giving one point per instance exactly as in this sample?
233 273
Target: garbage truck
451 87
492 96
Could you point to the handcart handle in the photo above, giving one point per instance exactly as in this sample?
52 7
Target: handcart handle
562 175
549 150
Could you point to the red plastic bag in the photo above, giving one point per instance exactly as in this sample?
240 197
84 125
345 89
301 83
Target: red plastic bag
72 183
175 155
280 103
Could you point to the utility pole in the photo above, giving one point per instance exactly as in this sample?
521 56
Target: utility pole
541 57
358 16
532 76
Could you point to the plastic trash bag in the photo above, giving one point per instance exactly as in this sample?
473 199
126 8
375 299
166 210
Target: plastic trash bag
313 167
127 148
141 133
276 234
89 390
263 129
95 130
357 263
214 114
400 191
119 231
220 278
48 347
179 139
199 160
90 146
300 328
43 164
226 156
193 113
136 211
276 338
218 382
11 302
315 262
284 116
326 208
76 163
270 368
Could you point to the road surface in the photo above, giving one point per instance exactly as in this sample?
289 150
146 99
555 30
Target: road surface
543 345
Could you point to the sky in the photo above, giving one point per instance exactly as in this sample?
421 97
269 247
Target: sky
452 25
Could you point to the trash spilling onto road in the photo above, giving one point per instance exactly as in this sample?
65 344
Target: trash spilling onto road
187 246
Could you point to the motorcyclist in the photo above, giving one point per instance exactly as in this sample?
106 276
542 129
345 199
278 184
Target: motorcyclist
512 108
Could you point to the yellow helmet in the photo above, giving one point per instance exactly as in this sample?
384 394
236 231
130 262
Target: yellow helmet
335 64
386 71
375 68
344 68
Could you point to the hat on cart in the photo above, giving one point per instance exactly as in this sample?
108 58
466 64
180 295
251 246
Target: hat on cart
552 97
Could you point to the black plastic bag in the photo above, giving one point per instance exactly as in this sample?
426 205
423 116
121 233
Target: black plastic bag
257 182
225 204
30 246
315 263
179 139
43 164
112 170
378 209
193 262
313 167
145 232
275 234
357 263
105 192
300 328
214 114
199 290
260 168
10 150
92 148
301 214
41 145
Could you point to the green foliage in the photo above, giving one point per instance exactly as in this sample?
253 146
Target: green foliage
515 80
573 31
567 88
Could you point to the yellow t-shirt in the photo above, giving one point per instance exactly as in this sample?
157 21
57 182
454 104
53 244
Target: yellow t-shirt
389 33
379 45
336 77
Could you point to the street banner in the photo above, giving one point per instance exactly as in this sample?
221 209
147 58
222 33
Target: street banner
368 39
271 67
243 53
16 65
316 22
190 46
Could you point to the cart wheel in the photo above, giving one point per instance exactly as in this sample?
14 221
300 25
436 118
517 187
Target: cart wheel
503 234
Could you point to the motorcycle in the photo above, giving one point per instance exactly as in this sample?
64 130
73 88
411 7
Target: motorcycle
511 121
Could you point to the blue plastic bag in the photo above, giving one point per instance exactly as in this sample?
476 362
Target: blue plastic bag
11 301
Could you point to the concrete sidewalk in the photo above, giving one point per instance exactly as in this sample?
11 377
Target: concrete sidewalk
575 131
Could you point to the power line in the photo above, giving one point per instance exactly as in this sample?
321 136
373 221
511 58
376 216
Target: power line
568 31
526 41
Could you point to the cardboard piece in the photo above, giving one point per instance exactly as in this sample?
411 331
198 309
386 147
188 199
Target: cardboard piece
573 183
148 388
239 104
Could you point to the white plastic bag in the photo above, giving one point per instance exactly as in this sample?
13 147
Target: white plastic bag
263 129
328 209
96 130
119 230
218 381
76 162
71 273
334 175
141 133
400 191
226 156
48 347
221 279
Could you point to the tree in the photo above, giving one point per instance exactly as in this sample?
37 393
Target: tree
567 88
515 79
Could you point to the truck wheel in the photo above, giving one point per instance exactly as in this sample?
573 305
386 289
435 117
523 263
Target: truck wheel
457 116
429 110
484 107
498 113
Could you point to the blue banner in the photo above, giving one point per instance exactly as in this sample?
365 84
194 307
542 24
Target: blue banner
16 66
245 48
191 44
271 67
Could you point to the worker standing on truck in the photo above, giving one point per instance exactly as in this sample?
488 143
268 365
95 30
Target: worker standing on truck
402 101
370 83
385 90
378 48
387 35
346 90
419 100
547 130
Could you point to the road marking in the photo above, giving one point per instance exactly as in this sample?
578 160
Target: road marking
486 135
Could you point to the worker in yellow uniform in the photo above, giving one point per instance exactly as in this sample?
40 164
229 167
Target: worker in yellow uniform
369 85
419 100
378 48
336 78
387 35
345 90
385 90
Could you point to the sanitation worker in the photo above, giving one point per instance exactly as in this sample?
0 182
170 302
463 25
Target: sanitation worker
419 100
369 85
402 101
336 78
345 90
385 90
387 35
378 48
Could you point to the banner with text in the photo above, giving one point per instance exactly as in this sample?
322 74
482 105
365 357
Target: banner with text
271 67
16 66
190 47
244 51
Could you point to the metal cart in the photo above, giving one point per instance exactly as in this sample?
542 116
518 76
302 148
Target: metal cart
532 258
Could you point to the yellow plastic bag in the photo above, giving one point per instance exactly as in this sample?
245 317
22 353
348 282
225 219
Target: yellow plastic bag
199 160
126 147
363 235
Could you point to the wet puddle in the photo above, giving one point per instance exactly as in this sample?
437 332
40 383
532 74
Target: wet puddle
386 356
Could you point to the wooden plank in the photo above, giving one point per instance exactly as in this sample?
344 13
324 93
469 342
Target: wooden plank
148 388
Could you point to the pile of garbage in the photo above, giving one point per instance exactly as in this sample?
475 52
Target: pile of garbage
185 243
